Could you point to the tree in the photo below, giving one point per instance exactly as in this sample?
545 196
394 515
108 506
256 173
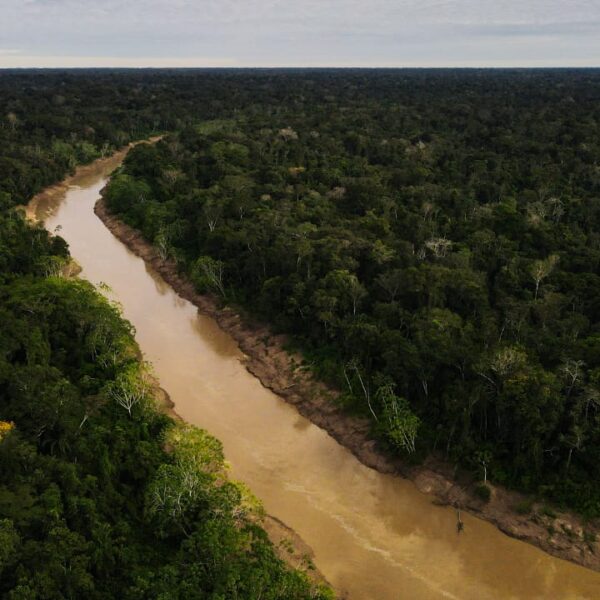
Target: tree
439 246
196 473
401 423
131 387
127 193
574 440
12 120
484 457
212 211
208 274
573 371
346 287
162 243
542 269
353 367
391 282
9 541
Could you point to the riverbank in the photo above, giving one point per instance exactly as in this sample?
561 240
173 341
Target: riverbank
288 545
560 534
80 171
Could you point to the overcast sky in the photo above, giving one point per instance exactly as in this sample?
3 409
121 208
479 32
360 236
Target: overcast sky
241 33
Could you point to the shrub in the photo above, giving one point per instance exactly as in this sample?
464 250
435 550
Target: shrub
483 492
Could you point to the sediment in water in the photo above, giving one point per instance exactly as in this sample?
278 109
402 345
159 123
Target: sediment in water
289 546
280 371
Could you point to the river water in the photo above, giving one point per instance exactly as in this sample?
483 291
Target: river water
374 536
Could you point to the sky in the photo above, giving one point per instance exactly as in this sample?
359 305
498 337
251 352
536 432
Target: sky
297 33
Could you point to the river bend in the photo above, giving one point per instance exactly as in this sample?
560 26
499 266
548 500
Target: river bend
374 536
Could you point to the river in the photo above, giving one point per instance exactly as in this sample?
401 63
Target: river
374 536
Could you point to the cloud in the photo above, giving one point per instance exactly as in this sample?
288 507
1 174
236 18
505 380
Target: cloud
74 62
323 32
566 28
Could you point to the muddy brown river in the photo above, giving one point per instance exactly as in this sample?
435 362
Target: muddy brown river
374 536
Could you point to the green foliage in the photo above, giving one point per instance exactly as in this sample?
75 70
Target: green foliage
401 425
437 230
127 194
215 125
84 454
208 275
9 542
483 492
53 121
99 493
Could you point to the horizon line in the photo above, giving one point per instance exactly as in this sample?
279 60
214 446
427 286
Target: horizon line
295 67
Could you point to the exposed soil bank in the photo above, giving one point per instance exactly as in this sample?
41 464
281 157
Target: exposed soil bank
80 171
563 535
289 546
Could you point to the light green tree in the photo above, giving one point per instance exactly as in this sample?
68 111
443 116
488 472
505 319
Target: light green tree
401 423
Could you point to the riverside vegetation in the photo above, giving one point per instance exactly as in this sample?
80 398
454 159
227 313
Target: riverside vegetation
430 239
102 495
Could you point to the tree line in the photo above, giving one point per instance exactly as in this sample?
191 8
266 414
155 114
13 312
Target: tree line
430 240
101 494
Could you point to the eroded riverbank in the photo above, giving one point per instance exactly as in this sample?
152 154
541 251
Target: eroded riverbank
373 535
288 544
277 369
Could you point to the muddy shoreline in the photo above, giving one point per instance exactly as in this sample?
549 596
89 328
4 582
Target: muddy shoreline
289 546
560 534
61 187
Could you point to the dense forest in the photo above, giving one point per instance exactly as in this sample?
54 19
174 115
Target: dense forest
430 239
101 494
